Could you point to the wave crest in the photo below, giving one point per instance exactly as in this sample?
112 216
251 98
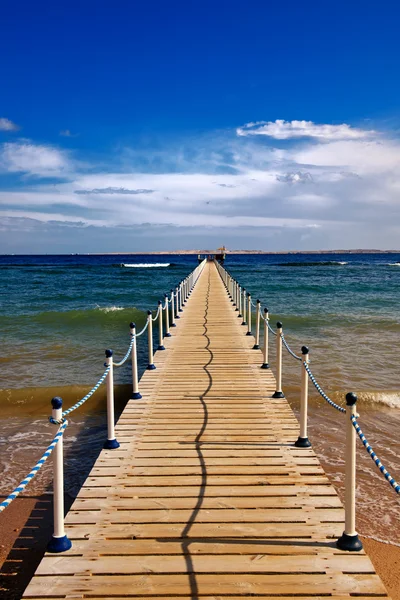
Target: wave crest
145 265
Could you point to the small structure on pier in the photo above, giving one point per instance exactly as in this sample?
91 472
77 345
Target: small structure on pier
219 255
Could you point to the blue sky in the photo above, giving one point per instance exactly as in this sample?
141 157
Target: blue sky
154 125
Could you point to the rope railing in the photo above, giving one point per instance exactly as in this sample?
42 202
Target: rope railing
368 447
349 540
288 348
59 541
321 391
35 470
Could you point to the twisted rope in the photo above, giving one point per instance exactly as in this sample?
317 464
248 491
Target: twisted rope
320 390
374 457
157 313
289 349
270 328
123 361
92 391
144 329
20 488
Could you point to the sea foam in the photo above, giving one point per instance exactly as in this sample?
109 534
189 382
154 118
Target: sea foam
145 265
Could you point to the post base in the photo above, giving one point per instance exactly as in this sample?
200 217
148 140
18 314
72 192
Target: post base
302 442
278 395
351 543
151 367
256 347
136 396
167 335
111 444
161 348
265 366
180 310
240 316
59 544
249 333
244 323
236 309
177 317
173 325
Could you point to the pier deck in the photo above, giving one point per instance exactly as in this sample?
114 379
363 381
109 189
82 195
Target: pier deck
207 497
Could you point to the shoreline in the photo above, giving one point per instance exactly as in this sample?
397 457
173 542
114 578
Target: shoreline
227 252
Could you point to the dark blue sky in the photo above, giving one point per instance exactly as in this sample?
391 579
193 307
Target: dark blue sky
115 70
128 80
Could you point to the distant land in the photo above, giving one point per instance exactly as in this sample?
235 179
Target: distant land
357 251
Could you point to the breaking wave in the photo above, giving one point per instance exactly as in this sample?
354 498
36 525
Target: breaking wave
145 265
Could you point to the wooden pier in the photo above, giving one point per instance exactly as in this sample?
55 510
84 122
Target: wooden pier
207 497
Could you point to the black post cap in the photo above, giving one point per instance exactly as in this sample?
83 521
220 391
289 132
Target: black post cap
149 312
132 325
109 353
351 399
265 310
159 302
258 301
56 402
304 350
279 325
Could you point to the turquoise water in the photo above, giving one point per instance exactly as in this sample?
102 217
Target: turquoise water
59 313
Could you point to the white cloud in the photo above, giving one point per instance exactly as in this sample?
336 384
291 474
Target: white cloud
7 125
285 130
31 159
297 177
233 184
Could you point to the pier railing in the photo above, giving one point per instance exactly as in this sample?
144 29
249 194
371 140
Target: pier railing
242 301
167 312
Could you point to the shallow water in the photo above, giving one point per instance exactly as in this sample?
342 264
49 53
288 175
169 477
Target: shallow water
58 314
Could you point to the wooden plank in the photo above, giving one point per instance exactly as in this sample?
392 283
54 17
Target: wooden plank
206 497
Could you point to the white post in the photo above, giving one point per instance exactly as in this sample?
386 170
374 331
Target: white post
177 303
237 296
167 333
248 314
172 310
59 541
160 327
349 540
258 318
265 364
136 395
180 297
151 364
110 443
240 301
244 307
302 440
278 393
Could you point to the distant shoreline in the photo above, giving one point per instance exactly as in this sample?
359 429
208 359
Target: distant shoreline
177 252
195 252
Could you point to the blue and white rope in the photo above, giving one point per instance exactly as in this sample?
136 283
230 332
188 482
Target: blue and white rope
385 473
289 349
20 488
123 361
270 328
92 391
320 390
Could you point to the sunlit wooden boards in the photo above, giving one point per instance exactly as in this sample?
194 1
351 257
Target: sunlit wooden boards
206 497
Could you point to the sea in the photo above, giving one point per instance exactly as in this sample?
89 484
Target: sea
58 314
